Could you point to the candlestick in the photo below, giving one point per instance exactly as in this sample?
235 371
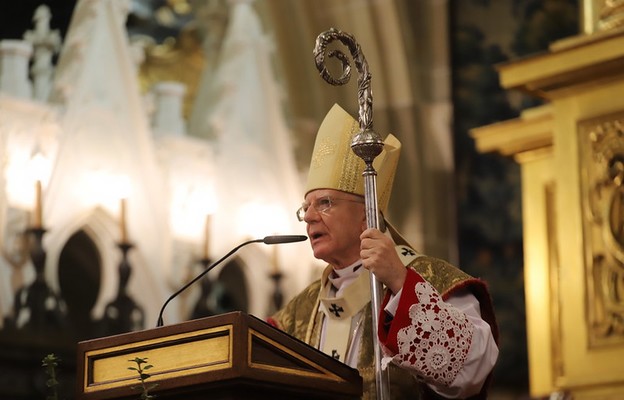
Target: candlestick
122 221
207 237
38 217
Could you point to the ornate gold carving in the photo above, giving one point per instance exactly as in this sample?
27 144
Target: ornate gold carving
188 56
180 60
602 171
602 15
611 14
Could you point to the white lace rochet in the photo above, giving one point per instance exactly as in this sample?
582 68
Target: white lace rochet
436 343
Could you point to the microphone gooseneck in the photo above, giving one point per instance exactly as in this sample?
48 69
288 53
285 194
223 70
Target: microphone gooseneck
277 239
283 239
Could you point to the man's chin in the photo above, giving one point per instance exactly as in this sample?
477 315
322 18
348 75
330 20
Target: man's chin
319 252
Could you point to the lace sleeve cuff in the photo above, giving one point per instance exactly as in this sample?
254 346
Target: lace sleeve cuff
427 336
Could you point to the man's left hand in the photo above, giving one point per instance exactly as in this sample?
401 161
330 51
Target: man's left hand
379 257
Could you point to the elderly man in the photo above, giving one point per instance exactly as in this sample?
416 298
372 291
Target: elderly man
437 325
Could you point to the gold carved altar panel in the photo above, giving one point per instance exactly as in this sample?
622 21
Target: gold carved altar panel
571 153
601 143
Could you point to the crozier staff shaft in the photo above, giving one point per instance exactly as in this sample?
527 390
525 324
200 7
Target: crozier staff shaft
367 145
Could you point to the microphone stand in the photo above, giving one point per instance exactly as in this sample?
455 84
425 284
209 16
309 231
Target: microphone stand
265 240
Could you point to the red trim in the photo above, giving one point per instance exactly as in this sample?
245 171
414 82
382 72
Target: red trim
388 333
273 323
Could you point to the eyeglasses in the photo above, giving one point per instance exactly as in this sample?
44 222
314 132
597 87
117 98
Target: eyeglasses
322 205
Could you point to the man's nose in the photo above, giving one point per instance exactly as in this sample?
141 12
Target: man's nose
311 215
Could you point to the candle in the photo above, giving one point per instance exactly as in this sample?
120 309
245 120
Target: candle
38 208
275 261
122 221
207 237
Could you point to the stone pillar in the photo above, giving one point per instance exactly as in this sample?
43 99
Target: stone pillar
14 58
168 117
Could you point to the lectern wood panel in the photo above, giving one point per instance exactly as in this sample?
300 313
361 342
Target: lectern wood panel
230 356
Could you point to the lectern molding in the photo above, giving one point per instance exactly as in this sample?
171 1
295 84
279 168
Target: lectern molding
175 356
230 356
322 372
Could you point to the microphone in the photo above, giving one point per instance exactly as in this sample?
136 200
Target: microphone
276 239
283 239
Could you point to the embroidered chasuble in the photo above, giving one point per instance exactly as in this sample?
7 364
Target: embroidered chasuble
316 315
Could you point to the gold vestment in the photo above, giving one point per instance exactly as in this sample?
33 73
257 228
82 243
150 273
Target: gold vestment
302 319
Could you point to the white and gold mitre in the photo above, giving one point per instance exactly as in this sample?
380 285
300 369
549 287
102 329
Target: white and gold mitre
334 165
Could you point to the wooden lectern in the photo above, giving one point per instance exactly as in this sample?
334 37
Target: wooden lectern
229 356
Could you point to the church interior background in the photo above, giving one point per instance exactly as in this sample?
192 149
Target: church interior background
142 139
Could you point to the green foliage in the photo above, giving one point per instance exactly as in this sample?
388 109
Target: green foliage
50 362
141 367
